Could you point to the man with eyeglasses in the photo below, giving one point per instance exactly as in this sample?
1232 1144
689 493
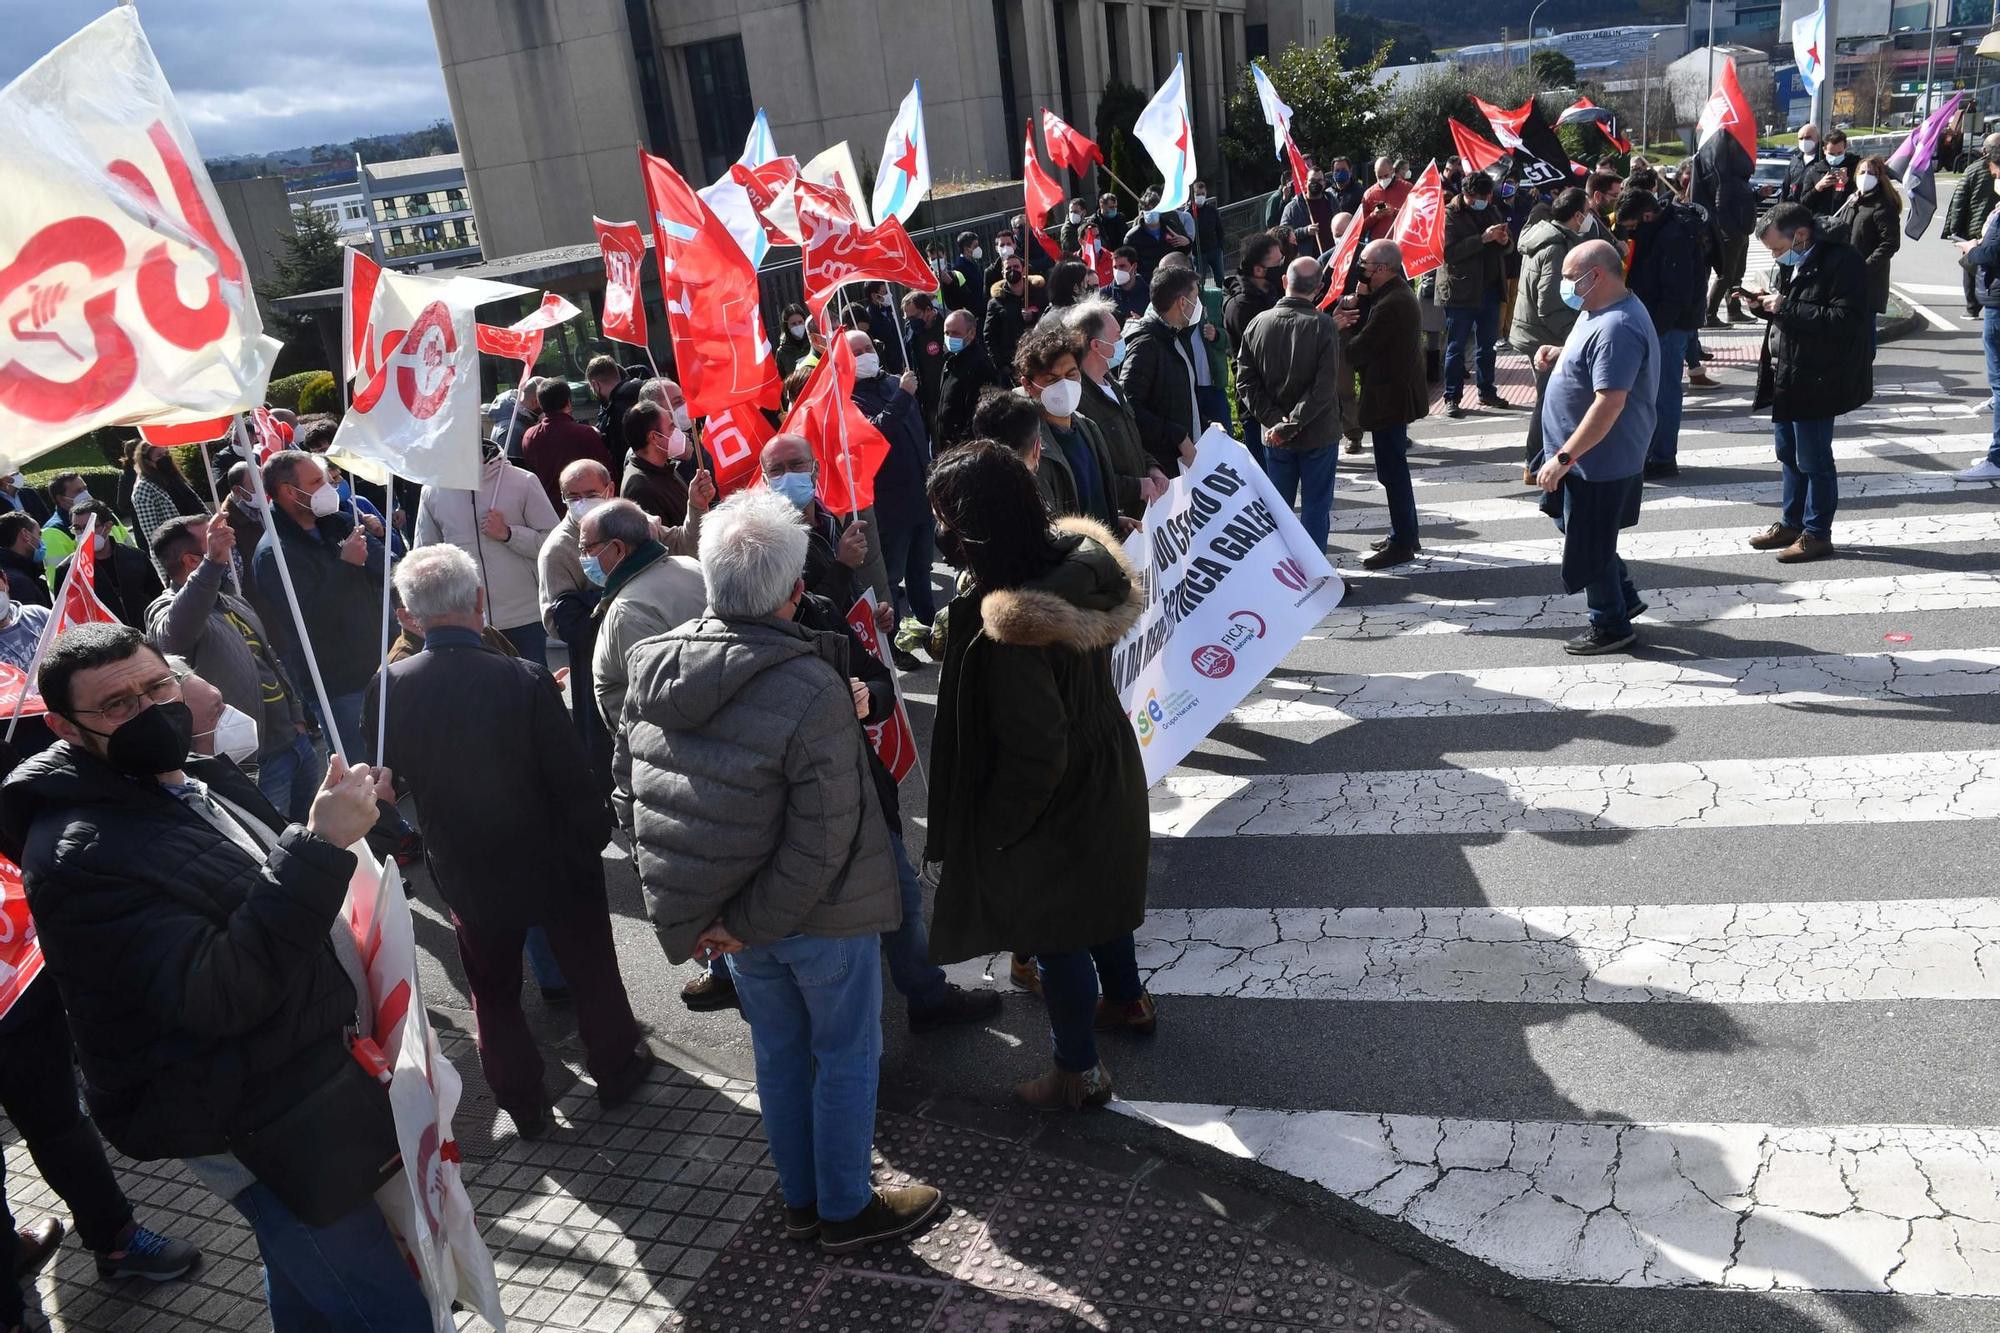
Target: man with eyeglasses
646 592
196 941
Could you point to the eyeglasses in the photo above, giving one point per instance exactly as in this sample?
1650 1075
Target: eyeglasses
592 548
123 708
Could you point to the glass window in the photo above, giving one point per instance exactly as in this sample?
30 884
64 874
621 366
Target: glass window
723 108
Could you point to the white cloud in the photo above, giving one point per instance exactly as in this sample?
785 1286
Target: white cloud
258 75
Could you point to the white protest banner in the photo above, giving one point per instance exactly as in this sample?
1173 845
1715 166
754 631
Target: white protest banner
123 295
1232 583
427 1206
415 354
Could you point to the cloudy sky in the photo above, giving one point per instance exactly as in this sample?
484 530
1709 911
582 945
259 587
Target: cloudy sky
258 75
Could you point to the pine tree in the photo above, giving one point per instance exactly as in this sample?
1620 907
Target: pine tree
313 261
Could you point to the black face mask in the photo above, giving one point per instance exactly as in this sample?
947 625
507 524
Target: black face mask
946 541
154 742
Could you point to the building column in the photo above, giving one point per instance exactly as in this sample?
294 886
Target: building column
1038 61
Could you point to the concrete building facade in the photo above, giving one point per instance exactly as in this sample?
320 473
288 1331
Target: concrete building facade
261 220
551 96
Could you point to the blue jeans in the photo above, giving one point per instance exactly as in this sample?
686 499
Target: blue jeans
906 554
1392 469
921 982
531 642
1253 440
1989 325
1674 343
346 1277
542 961
1312 470
289 777
1812 486
1069 989
815 1012
1611 596
1690 353
1461 324
347 721
1211 264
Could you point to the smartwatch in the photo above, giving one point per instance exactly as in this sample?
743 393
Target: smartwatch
1564 458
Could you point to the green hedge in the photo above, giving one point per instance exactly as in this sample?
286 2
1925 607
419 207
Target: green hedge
320 394
286 392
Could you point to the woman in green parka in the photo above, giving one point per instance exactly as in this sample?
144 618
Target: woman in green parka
1038 793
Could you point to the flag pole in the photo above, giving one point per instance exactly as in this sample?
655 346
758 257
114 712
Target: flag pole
49 630
215 489
292 596
382 694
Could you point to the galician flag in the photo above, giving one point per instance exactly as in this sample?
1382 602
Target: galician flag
906 161
1276 114
1809 47
1168 133
731 202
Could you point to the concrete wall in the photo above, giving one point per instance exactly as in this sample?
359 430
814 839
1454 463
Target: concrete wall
260 217
545 100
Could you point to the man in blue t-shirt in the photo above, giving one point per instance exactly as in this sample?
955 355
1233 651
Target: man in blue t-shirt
1597 422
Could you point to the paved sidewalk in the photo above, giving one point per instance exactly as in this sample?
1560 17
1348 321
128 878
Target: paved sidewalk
662 1215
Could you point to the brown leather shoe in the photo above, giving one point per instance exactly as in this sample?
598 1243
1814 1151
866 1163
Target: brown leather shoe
1389 556
1021 970
1807 547
1701 379
709 992
1060 1090
37 1241
1774 538
1141 1016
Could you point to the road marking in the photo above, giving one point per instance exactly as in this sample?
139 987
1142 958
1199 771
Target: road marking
1622 685
1853 486
1689 544
1902 1208
1930 288
1576 798
1893 594
1733 455
1932 317
1701 953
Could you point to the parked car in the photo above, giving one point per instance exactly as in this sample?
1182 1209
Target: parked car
1768 177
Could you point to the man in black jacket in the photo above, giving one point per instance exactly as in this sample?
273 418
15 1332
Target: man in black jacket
336 572
968 372
197 944
904 514
1817 363
969 292
20 539
615 392
1158 371
123 578
514 829
1665 274
1288 371
1208 231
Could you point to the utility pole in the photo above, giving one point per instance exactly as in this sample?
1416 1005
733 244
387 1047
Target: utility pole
1711 45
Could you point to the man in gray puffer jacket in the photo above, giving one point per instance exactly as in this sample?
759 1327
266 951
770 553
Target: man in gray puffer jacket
758 834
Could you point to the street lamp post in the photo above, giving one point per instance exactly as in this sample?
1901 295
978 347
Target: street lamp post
1538 9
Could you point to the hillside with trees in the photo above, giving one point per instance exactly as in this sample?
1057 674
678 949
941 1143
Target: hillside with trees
1456 23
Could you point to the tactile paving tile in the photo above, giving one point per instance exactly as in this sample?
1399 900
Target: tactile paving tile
970 1311
869 1305
1182 1259
935 1252
1276 1284
1044 1251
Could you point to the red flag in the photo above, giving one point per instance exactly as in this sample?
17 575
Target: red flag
847 447
1727 109
272 435
838 250
80 605
763 183
1301 173
1094 256
21 952
1343 261
1419 227
1583 109
1506 124
1067 146
894 740
1044 193
1479 154
187 432
734 440
623 246
360 278
523 345
710 287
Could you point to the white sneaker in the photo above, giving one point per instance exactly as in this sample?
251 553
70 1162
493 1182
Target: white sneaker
1984 470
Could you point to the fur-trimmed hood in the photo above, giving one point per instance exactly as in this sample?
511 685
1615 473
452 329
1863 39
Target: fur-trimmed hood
1085 603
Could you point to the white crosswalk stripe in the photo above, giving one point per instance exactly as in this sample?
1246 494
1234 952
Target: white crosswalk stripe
1717 894
1902 1208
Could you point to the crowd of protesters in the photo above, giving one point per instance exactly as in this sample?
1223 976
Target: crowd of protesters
183 814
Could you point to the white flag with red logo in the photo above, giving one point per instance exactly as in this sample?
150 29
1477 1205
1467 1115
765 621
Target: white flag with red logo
412 353
123 295
894 741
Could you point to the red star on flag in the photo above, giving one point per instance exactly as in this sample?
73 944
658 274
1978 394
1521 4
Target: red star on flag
1182 142
906 161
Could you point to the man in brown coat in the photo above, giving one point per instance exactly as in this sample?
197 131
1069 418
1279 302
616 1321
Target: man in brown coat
1386 345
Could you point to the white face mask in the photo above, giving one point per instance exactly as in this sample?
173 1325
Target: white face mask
235 735
80 497
1005 250
799 332
1121 277
248 503
1076 215
978 252
325 501
1807 147
1866 181
677 444
1060 399
867 366
583 504
681 417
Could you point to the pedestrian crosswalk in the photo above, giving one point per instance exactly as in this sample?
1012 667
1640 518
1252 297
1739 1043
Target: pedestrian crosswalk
1617 971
